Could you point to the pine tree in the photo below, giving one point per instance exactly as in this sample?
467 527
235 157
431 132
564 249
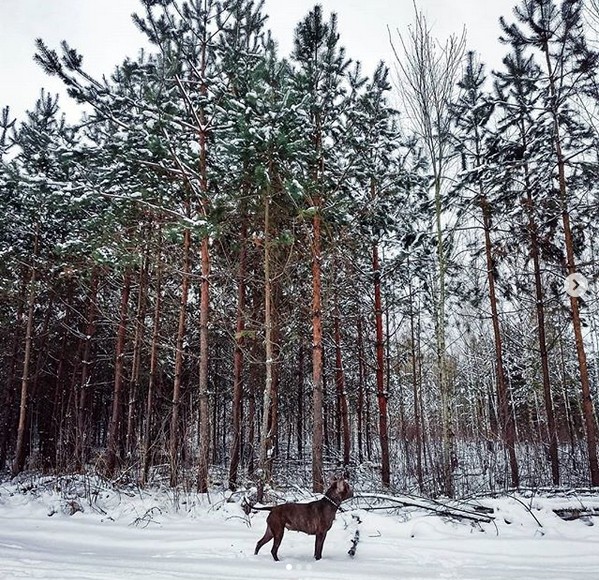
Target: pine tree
472 112
39 199
321 68
377 147
556 31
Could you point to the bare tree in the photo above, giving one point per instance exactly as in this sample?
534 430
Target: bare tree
427 75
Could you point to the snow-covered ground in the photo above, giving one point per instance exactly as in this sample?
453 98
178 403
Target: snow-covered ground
161 536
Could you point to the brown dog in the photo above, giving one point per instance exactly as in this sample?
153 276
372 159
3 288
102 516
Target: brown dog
314 518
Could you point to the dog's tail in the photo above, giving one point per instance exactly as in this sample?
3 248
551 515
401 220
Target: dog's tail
249 507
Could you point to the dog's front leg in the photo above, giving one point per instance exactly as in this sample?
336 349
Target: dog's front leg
318 545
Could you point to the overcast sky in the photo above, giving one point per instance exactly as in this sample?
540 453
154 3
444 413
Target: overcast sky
103 32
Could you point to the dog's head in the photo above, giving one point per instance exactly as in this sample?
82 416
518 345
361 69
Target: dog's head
340 489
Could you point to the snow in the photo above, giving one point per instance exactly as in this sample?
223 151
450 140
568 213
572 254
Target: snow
160 535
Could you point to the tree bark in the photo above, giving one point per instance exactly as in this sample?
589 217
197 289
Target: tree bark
237 405
204 428
382 395
267 428
204 451
300 401
82 436
540 312
361 388
11 385
343 426
507 423
174 432
317 353
147 434
20 453
138 340
415 390
571 268
114 426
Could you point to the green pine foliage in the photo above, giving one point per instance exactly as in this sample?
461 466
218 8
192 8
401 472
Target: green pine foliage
188 140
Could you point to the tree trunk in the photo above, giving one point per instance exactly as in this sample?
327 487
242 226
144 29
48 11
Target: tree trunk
82 436
147 434
571 268
507 423
587 401
317 353
20 453
415 390
237 405
540 311
361 389
204 451
382 395
137 353
448 453
114 426
267 428
343 426
55 451
204 416
11 385
174 433
300 401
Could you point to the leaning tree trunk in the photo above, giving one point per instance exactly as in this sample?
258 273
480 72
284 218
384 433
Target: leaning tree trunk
587 401
571 268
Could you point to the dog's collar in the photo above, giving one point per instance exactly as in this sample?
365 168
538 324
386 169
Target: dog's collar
337 505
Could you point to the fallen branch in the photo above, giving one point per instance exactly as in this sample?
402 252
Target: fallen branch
427 504
569 514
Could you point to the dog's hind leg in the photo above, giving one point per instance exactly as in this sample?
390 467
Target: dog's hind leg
278 535
267 537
